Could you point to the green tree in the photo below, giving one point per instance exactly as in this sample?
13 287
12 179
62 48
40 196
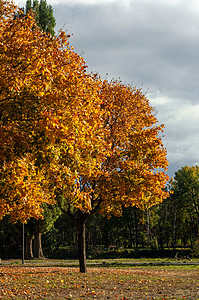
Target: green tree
35 229
28 6
43 15
186 196
35 8
162 226
46 18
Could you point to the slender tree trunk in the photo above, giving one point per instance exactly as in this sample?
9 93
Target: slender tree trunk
164 227
136 230
82 242
28 247
38 252
148 229
131 236
174 231
81 223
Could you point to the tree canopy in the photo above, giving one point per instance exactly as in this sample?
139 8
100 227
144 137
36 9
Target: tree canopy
67 135
43 86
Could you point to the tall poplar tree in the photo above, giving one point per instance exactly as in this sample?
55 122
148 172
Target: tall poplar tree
28 6
35 7
43 15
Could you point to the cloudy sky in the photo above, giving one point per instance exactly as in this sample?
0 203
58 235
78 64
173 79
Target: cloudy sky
151 44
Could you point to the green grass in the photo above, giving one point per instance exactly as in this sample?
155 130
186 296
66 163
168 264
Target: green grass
120 262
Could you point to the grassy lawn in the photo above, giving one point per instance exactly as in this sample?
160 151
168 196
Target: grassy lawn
105 279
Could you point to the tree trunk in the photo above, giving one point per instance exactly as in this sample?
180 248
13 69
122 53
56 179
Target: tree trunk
82 243
28 247
148 229
131 236
38 252
174 231
136 230
164 228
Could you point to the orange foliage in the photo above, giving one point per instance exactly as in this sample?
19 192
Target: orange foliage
65 132
137 153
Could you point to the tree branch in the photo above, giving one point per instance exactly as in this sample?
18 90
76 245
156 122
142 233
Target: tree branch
96 207
66 212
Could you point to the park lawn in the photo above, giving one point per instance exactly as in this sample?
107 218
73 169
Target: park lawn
120 282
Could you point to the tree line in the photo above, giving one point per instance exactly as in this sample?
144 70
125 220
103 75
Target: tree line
172 224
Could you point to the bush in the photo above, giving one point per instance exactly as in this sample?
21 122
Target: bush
195 249
131 253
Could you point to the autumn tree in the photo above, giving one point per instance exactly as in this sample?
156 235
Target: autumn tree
49 106
128 173
43 15
18 109
43 87
69 137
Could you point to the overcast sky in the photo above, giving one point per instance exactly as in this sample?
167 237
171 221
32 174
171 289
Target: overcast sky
148 43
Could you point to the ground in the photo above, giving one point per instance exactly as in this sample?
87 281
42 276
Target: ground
103 280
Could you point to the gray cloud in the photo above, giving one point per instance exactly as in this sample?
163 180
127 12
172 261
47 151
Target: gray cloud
149 43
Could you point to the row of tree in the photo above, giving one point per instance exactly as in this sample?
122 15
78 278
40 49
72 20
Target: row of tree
171 224
69 138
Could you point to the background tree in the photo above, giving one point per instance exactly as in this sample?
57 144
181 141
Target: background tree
35 8
10 238
35 228
46 18
28 6
186 198
43 15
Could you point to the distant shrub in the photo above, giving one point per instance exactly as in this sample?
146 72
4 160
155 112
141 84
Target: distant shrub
195 249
